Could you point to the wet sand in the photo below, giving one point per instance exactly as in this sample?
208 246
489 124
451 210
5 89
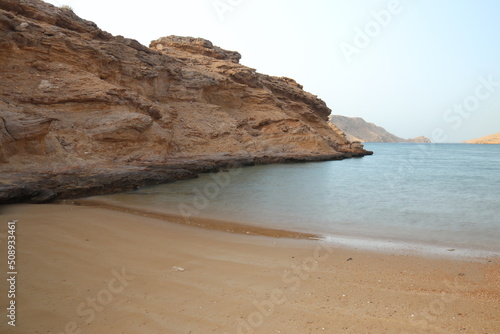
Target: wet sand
94 270
207 223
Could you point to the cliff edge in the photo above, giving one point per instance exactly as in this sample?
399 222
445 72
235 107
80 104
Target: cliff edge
85 112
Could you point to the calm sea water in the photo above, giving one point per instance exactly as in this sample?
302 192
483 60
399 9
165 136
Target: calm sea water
446 195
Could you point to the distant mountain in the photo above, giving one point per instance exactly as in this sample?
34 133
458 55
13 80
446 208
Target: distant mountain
357 129
490 139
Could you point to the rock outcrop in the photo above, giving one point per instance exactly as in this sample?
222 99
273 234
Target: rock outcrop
419 139
357 129
490 139
82 111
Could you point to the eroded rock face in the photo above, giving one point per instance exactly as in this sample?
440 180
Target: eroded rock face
74 97
196 46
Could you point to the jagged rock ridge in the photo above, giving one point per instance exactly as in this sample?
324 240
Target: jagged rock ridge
78 100
357 129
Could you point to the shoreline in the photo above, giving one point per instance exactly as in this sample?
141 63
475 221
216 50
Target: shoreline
201 222
178 279
47 182
363 242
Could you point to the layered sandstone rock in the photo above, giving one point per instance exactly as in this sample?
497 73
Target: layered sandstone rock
77 101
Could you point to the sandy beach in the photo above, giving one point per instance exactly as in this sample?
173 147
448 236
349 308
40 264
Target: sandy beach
84 269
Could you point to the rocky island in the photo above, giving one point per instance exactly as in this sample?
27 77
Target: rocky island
83 112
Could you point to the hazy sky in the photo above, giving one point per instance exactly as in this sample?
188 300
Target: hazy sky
421 67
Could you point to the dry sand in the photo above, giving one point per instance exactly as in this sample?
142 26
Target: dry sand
94 270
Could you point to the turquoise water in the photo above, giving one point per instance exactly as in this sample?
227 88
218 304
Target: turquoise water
428 194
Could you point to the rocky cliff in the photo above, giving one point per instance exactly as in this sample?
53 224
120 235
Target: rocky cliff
357 129
490 139
84 112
